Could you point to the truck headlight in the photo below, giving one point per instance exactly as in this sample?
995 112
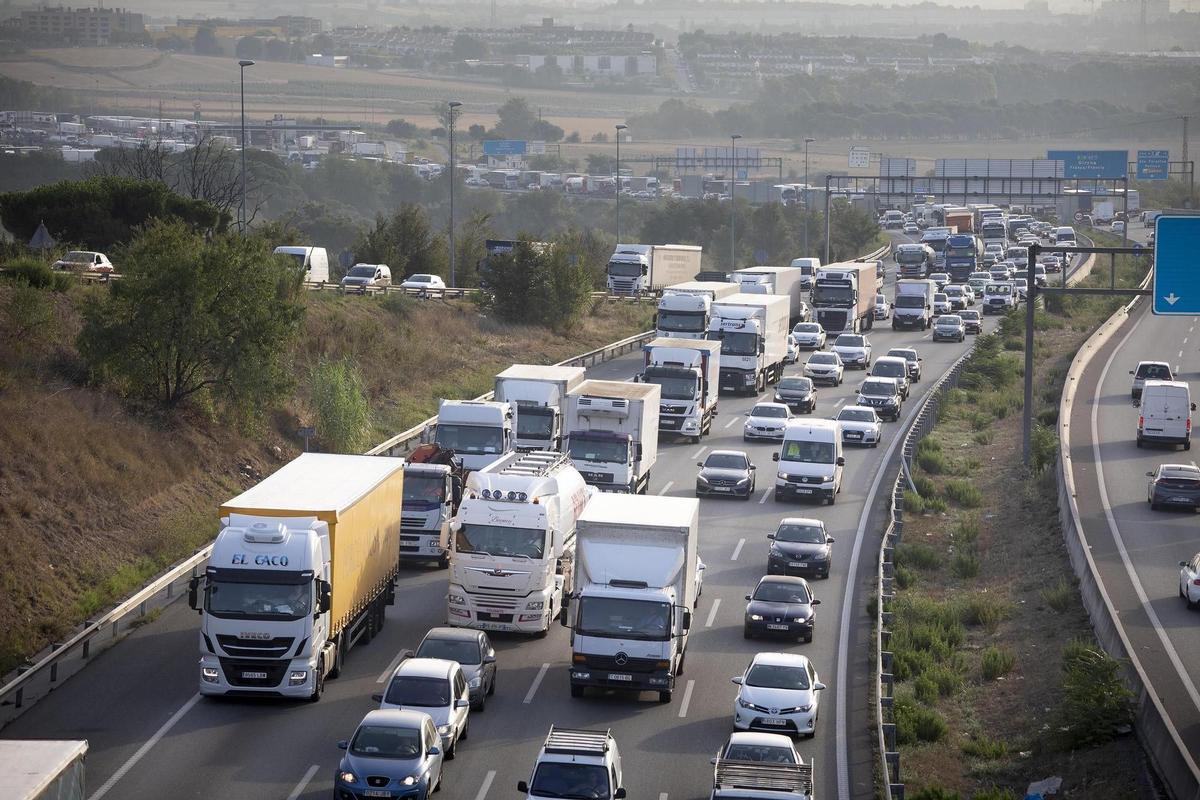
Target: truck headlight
444 730
536 605
781 476
347 777
826 478
209 674
298 677
456 599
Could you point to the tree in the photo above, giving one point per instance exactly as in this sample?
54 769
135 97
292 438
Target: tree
538 284
601 164
405 241
402 129
204 43
277 50
477 131
249 47
516 120
192 316
468 47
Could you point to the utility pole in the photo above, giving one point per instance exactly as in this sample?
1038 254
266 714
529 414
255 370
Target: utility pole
807 194
620 128
733 196
828 208
453 106
1187 164
242 206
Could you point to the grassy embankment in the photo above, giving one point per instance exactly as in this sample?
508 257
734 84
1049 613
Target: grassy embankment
96 497
1000 680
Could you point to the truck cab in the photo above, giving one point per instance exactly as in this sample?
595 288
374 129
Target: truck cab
539 396
683 316
433 484
612 433
576 763
629 268
688 373
479 431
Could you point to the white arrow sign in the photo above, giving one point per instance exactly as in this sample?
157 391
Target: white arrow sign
1171 298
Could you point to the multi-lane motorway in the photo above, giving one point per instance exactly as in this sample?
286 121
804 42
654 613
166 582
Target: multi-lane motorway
151 735
1137 550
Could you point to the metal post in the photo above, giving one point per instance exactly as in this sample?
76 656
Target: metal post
242 206
453 105
620 127
1125 212
807 142
1031 299
732 197
828 178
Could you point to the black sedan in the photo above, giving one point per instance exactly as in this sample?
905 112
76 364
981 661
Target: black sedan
1174 486
726 472
800 546
781 606
798 393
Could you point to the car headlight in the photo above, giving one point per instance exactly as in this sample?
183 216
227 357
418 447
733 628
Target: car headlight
778 399
409 781
743 480
747 425
444 730
456 599
475 682
744 704
774 551
535 605
702 479
801 618
347 777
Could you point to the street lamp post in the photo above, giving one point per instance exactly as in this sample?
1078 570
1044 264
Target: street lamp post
807 142
245 62
732 196
453 105
620 127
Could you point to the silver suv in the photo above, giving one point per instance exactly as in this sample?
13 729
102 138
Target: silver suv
576 763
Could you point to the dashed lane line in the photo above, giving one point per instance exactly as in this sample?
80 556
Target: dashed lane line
666 488
712 613
486 785
687 699
537 681
145 748
737 551
303 784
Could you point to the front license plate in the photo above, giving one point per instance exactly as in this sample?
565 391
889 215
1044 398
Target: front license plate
797 563
1181 500
853 435
774 721
490 626
804 491
262 676
720 488
377 793
619 676
772 626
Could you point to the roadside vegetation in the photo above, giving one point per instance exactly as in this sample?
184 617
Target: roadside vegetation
1000 681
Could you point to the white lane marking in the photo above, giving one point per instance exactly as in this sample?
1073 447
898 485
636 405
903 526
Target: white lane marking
737 551
662 796
487 784
839 402
700 452
387 673
1155 623
537 681
1184 341
1179 356
666 488
303 784
712 613
687 699
765 494
729 424
145 748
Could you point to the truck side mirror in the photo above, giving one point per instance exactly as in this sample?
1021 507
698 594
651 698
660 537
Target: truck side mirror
194 593
522 787
687 620
326 601
841 461
620 794
637 451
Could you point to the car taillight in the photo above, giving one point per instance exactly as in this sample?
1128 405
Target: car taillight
1196 582
1189 425
1141 421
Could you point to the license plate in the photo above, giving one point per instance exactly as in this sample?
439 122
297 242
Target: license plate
377 793
720 488
254 676
1181 500
774 721
853 435
619 676
803 490
490 626
776 627
797 563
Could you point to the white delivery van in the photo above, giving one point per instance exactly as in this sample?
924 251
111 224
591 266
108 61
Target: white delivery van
1166 414
312 261
810 461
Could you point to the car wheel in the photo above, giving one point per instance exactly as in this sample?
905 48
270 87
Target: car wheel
441 780
466 730
1154 506
664 696
778 496
480 705
449 754
492 687
1139 442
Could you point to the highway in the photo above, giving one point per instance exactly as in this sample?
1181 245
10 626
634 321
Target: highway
1137 550
151 735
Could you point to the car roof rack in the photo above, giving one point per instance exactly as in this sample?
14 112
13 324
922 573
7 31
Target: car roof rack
578 741
734 774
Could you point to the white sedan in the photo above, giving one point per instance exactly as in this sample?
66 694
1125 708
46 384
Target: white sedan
423 281
779 692
809 335
766 421
854 349
824 367
1189 581
860 425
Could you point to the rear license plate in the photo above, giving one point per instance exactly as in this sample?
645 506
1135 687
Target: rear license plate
261 676
774 722
619 676
797 563
776 627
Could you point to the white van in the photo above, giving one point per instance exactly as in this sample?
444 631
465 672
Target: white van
999 298
808 270
810 461
1166 414
314 261
1064 234
367 276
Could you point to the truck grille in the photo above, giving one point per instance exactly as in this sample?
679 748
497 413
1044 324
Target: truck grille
802 479
672 409
596 477
670 423
412 520
253 674
630 665
256 648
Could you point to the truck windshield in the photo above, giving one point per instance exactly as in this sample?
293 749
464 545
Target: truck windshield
837 294
621 270
676 384
938 245
739 344
535 422
577 781
910 257
624 619
807 451
424 490
470 438
586 448
910 301
681 321
498 540
258 600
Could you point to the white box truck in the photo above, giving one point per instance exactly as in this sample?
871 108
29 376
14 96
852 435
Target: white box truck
636 268
479 431
539 396
612 433
782 281
688 371
42 769
752 330
302 568
685 308
808 270
636 578
513 551
913 304
433 484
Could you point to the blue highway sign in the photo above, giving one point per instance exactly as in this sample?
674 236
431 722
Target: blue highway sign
1176 265
1092 163
1153 165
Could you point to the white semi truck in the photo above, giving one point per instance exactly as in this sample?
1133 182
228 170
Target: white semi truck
782 281
433 483
302 568
513 552
612 433
539 396
636 268
688 371
636 578
479 431
685 308
913 304
752 330
844 297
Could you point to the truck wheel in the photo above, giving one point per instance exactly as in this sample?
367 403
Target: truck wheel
381 618
444 561
576 690
318 682
664 696
339 653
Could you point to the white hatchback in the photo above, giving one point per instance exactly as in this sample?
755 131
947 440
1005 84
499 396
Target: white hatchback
780 693
809 335
854 349
824 367
1189 581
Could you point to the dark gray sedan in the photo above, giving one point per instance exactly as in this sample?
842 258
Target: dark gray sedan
474 653
1174 486
797 393
726 472
781 606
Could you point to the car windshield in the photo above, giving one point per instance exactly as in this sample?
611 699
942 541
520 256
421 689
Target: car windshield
807 451
907 355
807 327
970 315
424 490
803 534
796 384
500 540
880 300
777 676
1154 372
822 358
259 600
940 297
762 753
848 341
948 321
361 272
856 415
579 781
776 592
939 277
469 438
725 461
79 255
463 652
877 388
410 690
379 741
772 412
586 448
890 369
420 278
611 617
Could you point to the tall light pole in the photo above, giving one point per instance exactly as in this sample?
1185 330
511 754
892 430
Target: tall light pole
620 127
732 196
453 105
807 142
245 62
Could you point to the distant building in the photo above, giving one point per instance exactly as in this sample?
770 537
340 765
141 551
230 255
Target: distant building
92 27
319 60
629 65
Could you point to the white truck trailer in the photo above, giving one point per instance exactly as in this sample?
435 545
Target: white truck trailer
539 396
637 268
479 431
913 304
513 552
636 573
752 330
612 433
688 371
42 769
685 308
782 281
302 568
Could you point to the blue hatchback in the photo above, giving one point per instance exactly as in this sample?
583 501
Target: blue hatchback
393 754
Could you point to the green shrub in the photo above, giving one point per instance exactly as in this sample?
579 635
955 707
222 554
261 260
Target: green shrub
1048 417
985 610
908 664
936 505
966 565
994 793
985 747
929 457
1059 597
997 662
983 437
342 415
934 793
913 503
963 492
1044 447
924 485
925 690
399 305
36 273
966 532
918 555
946 677
905 577
1094 701
916 723
979 422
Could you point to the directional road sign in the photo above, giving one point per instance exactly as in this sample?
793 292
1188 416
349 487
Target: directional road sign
860 157
1176 269
1153 165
